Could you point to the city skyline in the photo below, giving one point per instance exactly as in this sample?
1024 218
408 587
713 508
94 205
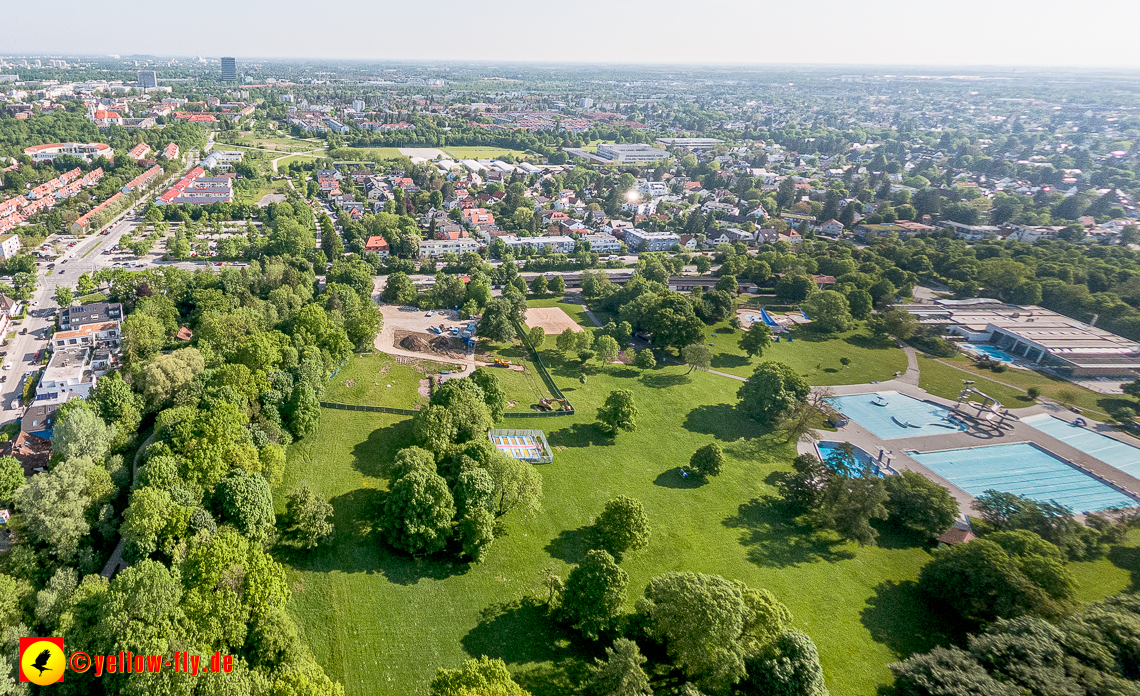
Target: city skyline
875 32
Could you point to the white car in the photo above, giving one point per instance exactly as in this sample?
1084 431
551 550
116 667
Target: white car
7 366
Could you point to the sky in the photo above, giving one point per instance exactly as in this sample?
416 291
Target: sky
1001 33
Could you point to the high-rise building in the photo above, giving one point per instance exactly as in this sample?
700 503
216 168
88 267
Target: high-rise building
358 105
586 103
148 79
229 70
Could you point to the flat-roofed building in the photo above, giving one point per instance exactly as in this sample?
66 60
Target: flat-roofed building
641 240
603 243
631 153
690 143
559 244
84 151
1035 335
433 248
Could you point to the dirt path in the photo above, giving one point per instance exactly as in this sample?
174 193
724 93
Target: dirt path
115 563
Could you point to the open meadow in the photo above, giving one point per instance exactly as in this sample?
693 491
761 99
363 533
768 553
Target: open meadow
382 622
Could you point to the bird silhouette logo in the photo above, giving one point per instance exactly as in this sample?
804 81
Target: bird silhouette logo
41 660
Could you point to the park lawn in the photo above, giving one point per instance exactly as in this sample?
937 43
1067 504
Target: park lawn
814 356
940 379
1050 386
371 374
295 158
480 152
383 623
380 152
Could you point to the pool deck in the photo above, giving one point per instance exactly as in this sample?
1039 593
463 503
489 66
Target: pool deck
974 437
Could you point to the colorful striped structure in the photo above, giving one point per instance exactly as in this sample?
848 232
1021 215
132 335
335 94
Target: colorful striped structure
527 445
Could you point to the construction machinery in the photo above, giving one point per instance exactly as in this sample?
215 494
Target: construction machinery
552 404
501 362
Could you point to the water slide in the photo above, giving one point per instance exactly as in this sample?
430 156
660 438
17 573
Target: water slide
768 319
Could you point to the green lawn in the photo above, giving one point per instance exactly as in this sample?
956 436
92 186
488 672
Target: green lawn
1009 387
380 152
477 152
295 158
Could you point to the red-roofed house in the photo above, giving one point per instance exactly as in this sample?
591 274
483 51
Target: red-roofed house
378 244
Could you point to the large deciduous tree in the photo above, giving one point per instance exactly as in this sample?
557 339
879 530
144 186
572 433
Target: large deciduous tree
594 593
618 412
772 389
418 513
623 526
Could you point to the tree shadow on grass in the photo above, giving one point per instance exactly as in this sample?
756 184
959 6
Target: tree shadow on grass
354 544
1127 558
625 373
898 616
729 360
518 632
723 421
402 569
672 478
664 381
893 536
871 342
374 456
725 330
571 545
775 540
580 435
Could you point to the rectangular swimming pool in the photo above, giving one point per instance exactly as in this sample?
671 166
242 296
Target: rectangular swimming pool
992 351
1023 469
1116 454
889 415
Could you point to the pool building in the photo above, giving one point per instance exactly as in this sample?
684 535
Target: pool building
1036 335
527 445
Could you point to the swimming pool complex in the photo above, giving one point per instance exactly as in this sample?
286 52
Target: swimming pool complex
1116 454
992 351
889 415
826 449
1023 469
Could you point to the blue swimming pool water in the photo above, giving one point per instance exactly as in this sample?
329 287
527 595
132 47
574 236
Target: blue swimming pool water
992 351
1022 469
885 422
826 449
1116 454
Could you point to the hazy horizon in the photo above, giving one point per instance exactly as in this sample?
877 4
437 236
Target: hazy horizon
721 33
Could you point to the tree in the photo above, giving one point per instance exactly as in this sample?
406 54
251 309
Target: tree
497 323
620 674
829 311
708 460
948 671
861 303
899 323
64 296
493 394
607 348
918 504
645 360
802 487
165 376
308 518
477 531
983 581
756 339
399 289
618 412
11 478
567 340
482 677
245 500
848 505
538 285
702 620
54 504
557 285
697 357
802 420
623 526
727 283
772 389
517 485
792 289
594 593
788 666
537 337
418 513
304 411
81 433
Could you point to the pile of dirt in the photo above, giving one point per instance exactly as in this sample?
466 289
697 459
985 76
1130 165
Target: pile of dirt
442 345
414 343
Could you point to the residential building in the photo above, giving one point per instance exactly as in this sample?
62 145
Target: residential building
603 243
9 245
104 335
69 374
433 248
334 125
39 416
832 227
690 143
78 316
631 153
377 244
641 240
170 151
559 244
221 159
84 151
197 189
229 70
971 233
478 217
147 79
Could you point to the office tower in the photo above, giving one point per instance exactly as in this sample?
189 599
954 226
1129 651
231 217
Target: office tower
229 70
148 79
